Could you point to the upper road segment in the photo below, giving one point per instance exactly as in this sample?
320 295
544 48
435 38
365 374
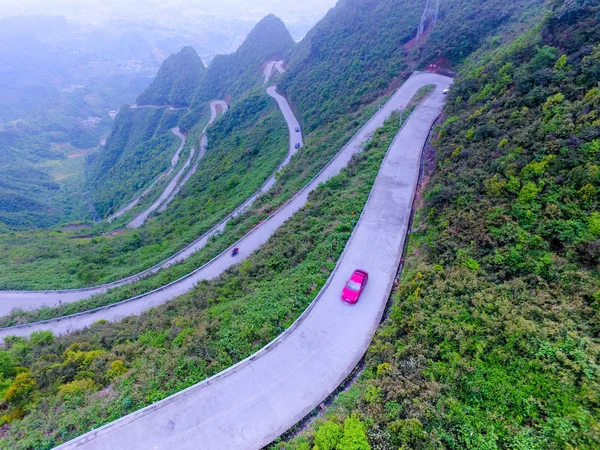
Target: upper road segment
268 72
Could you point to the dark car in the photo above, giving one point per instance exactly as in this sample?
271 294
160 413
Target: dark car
355 285
297 144
297 129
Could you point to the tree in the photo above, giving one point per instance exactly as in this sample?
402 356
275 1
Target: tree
355 435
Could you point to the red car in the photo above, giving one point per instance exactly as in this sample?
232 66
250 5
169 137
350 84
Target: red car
355 285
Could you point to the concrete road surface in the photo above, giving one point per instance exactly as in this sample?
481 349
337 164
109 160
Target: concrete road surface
165 174
174 160
201 153
268 72
141 218
253 402
171 108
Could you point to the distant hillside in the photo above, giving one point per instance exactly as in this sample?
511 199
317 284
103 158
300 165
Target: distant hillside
491 341
176 81
138 149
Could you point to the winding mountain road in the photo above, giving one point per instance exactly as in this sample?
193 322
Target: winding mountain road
28 300
171 108
250 404
261 233
136 200
201 153
174 160
163 175
268 72
139 220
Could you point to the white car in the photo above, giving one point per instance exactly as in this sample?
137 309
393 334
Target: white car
446 90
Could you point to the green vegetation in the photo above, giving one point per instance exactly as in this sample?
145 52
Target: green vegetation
343 62
49 134
492 341
58 387
55 94
138 149
362 48
176 81
245 147
302 168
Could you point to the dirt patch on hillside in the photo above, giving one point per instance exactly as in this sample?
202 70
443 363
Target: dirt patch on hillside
80 153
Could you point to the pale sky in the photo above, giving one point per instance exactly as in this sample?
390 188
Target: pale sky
168 11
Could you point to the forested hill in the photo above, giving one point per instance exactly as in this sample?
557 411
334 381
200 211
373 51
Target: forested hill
231 75
492 339
351 56
141 144
176 81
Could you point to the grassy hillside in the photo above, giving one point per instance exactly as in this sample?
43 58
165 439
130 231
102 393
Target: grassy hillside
141 144
245 147
54 128
58 81
138 149
492 341
67 385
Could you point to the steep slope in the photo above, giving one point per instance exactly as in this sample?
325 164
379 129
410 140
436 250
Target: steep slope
58 82
492 341
139 148
141 360
177 80
255 147
141 145
361 46
231 75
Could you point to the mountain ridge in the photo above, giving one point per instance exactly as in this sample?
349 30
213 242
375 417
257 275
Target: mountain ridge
176 81
182 81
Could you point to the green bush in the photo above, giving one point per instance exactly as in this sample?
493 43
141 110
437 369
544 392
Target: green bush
20 390
41 337
76 387
328 436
